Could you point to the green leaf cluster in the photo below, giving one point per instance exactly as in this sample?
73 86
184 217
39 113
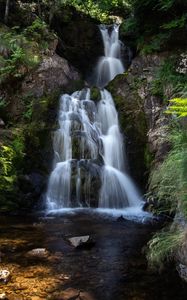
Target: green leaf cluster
156 25
178 107
101 10
20 51
11 160
167 76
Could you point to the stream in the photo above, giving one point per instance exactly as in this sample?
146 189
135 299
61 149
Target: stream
112 267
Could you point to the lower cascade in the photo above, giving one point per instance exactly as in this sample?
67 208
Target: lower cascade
89 168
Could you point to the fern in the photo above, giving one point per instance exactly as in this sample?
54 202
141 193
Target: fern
178 107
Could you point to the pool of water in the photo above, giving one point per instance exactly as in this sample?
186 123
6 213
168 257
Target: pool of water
113 268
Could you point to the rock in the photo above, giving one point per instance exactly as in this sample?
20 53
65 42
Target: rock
40 253
53 73
69 294
182 270
3 296
81 241
121 219
141 115
4 275
79 46
86 296
32 183
2 123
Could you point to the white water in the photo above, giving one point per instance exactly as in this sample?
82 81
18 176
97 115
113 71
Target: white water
110 64
89 167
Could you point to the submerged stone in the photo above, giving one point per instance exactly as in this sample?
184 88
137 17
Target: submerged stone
81 241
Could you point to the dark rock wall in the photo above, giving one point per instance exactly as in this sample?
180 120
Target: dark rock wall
80 41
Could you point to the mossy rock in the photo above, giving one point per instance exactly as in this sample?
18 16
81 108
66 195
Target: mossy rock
95 94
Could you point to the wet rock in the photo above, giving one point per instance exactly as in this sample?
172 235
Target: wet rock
68 294
4 275
182 270
81 241
121 219
2 123
40 253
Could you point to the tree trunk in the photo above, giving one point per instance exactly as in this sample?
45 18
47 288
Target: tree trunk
6 11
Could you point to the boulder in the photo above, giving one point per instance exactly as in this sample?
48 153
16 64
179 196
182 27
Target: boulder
38 253
81 241
4 275
53 73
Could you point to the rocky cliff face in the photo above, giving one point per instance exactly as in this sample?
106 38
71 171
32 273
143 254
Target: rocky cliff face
142 117
79 39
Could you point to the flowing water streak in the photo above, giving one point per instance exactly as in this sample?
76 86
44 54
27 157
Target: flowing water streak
98 133
93 130
110 64
117 189
78 124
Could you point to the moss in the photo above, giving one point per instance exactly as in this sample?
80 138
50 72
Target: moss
11 165
148 157
95 94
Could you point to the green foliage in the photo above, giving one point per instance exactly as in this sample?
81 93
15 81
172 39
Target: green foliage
154 44
168 181
156 25
176 23
19 52
17 55
178 107
37 31
27 115
163 245
168 75
101 10
11 163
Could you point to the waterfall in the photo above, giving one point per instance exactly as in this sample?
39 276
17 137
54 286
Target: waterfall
89 166
110 64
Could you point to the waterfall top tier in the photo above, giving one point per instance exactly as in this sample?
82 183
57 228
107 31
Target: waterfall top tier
110 64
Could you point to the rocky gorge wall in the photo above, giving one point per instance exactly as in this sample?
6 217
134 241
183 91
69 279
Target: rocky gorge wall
142 117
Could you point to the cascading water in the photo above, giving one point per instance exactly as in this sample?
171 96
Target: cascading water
110 64
89 167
